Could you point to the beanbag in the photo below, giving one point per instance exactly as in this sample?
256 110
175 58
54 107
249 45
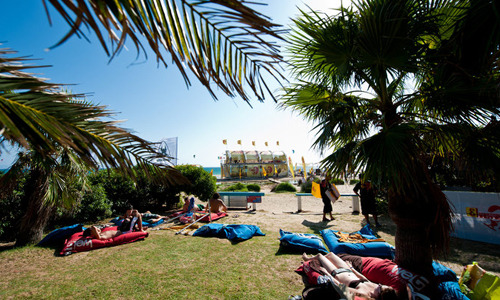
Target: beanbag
302 242
59 235
233 232
376 249
240 232
209 230
78 243
202 217
447 282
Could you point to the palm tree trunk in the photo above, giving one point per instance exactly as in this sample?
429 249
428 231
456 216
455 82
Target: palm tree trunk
413 249
37 212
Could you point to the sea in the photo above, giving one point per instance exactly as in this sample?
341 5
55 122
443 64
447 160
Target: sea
216 171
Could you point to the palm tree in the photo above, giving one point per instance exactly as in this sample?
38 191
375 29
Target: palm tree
66 137
222 42
355 74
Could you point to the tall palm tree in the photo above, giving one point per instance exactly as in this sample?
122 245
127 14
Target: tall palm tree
368 78
222 42
65 137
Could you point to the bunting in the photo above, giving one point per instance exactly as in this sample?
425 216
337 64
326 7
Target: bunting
239 142
265 143
291 167
224 142
304 165
253 143
278 143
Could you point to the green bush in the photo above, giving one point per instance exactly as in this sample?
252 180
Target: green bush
337 181
306 187
237 187
12 211
120 190
253 187
284 187
94 205
202 185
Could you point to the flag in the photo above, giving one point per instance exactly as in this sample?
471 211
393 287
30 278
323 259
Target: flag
212 172
264 172
315 190
239 142
265 143
304 165
253 143
224 142
278 143
291 167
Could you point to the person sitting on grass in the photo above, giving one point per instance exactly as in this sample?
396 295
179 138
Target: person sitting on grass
132 221
340 272
189 205
216 204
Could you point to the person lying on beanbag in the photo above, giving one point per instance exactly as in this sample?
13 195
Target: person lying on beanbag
96 233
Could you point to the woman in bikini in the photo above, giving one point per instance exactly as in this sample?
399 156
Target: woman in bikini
341 272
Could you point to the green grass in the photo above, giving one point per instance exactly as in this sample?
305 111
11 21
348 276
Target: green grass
163 266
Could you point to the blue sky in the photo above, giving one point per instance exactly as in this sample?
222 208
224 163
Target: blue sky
155 102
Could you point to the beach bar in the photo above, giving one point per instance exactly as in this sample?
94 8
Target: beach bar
254 164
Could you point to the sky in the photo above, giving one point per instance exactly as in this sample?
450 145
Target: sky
153 101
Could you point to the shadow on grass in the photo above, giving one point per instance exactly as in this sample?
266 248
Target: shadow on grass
316 226
464 252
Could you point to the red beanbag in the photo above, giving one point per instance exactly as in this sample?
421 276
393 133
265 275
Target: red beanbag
206 219
78 243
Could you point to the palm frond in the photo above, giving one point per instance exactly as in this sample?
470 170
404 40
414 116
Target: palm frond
39 117
221 42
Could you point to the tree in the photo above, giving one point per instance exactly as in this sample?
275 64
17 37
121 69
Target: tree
65 138
354 72
222 42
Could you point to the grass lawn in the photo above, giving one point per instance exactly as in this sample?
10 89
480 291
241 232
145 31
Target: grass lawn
163 266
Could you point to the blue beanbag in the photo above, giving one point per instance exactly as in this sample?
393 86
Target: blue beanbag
209 230
303 242
448 284
376 249
60 235
450 290
238 232
233 232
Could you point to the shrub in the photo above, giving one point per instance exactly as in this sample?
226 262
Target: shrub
239 187
253 187
353 181
12 211
306 187
94 205
284 187
120 190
